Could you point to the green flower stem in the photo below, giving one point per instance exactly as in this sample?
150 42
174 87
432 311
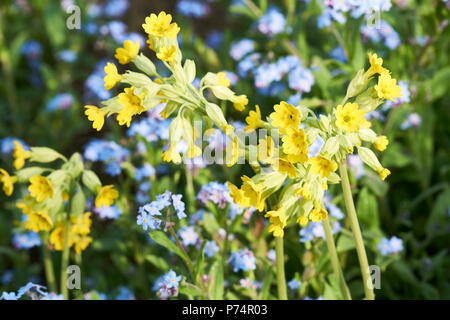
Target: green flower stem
186 256
190 189
362 256
48 264
281 279
335 261
65 260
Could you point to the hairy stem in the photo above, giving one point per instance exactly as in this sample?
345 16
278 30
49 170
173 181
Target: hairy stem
281 278
48 264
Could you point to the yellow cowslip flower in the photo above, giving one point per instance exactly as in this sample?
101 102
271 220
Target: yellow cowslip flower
239 102
150 43
238 196
96 115
20 155
384 173
375 65
277 221
222 79
106 196
266 150
253 120
253 192
132 103
8 182
57 237
285 167
387 88
295 145
40 188
285 117
193 151
161 26
381 143
167 54
80 242
302 221
112 76
304 192
38 221
322 166
232 153
171 155
81 224
350 118
318 214
128 52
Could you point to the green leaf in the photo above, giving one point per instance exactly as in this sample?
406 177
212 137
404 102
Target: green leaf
367 209
160 238
200 259
267 283
345 242
210 224
157 261
217 277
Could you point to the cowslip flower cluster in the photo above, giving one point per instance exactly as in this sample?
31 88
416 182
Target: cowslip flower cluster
167 285
393 245
286 162
51 192
148 89
243 259
150 215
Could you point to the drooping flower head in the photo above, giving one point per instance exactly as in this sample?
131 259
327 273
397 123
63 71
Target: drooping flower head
40 188
285 117
350 118
106 196
160 25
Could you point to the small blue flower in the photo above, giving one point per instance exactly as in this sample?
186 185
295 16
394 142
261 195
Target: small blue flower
211 248
172 280
188 236
294 284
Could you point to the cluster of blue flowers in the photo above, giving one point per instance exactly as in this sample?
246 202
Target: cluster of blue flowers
336 9
272 22
383 32
26 240
167 285
112 212
33 291
268 75
62 101
390 246
108 152
149 214
193 8
412 121
219 194
244 260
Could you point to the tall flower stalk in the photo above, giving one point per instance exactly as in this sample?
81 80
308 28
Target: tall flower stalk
281 278
362 256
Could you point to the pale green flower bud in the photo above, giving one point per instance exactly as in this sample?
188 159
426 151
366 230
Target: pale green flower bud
216 115
345 142
145 65
367 134
358 84
45 155
369 158
368 100
330 147
23 175
90 180
136 79
189 70
324 123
